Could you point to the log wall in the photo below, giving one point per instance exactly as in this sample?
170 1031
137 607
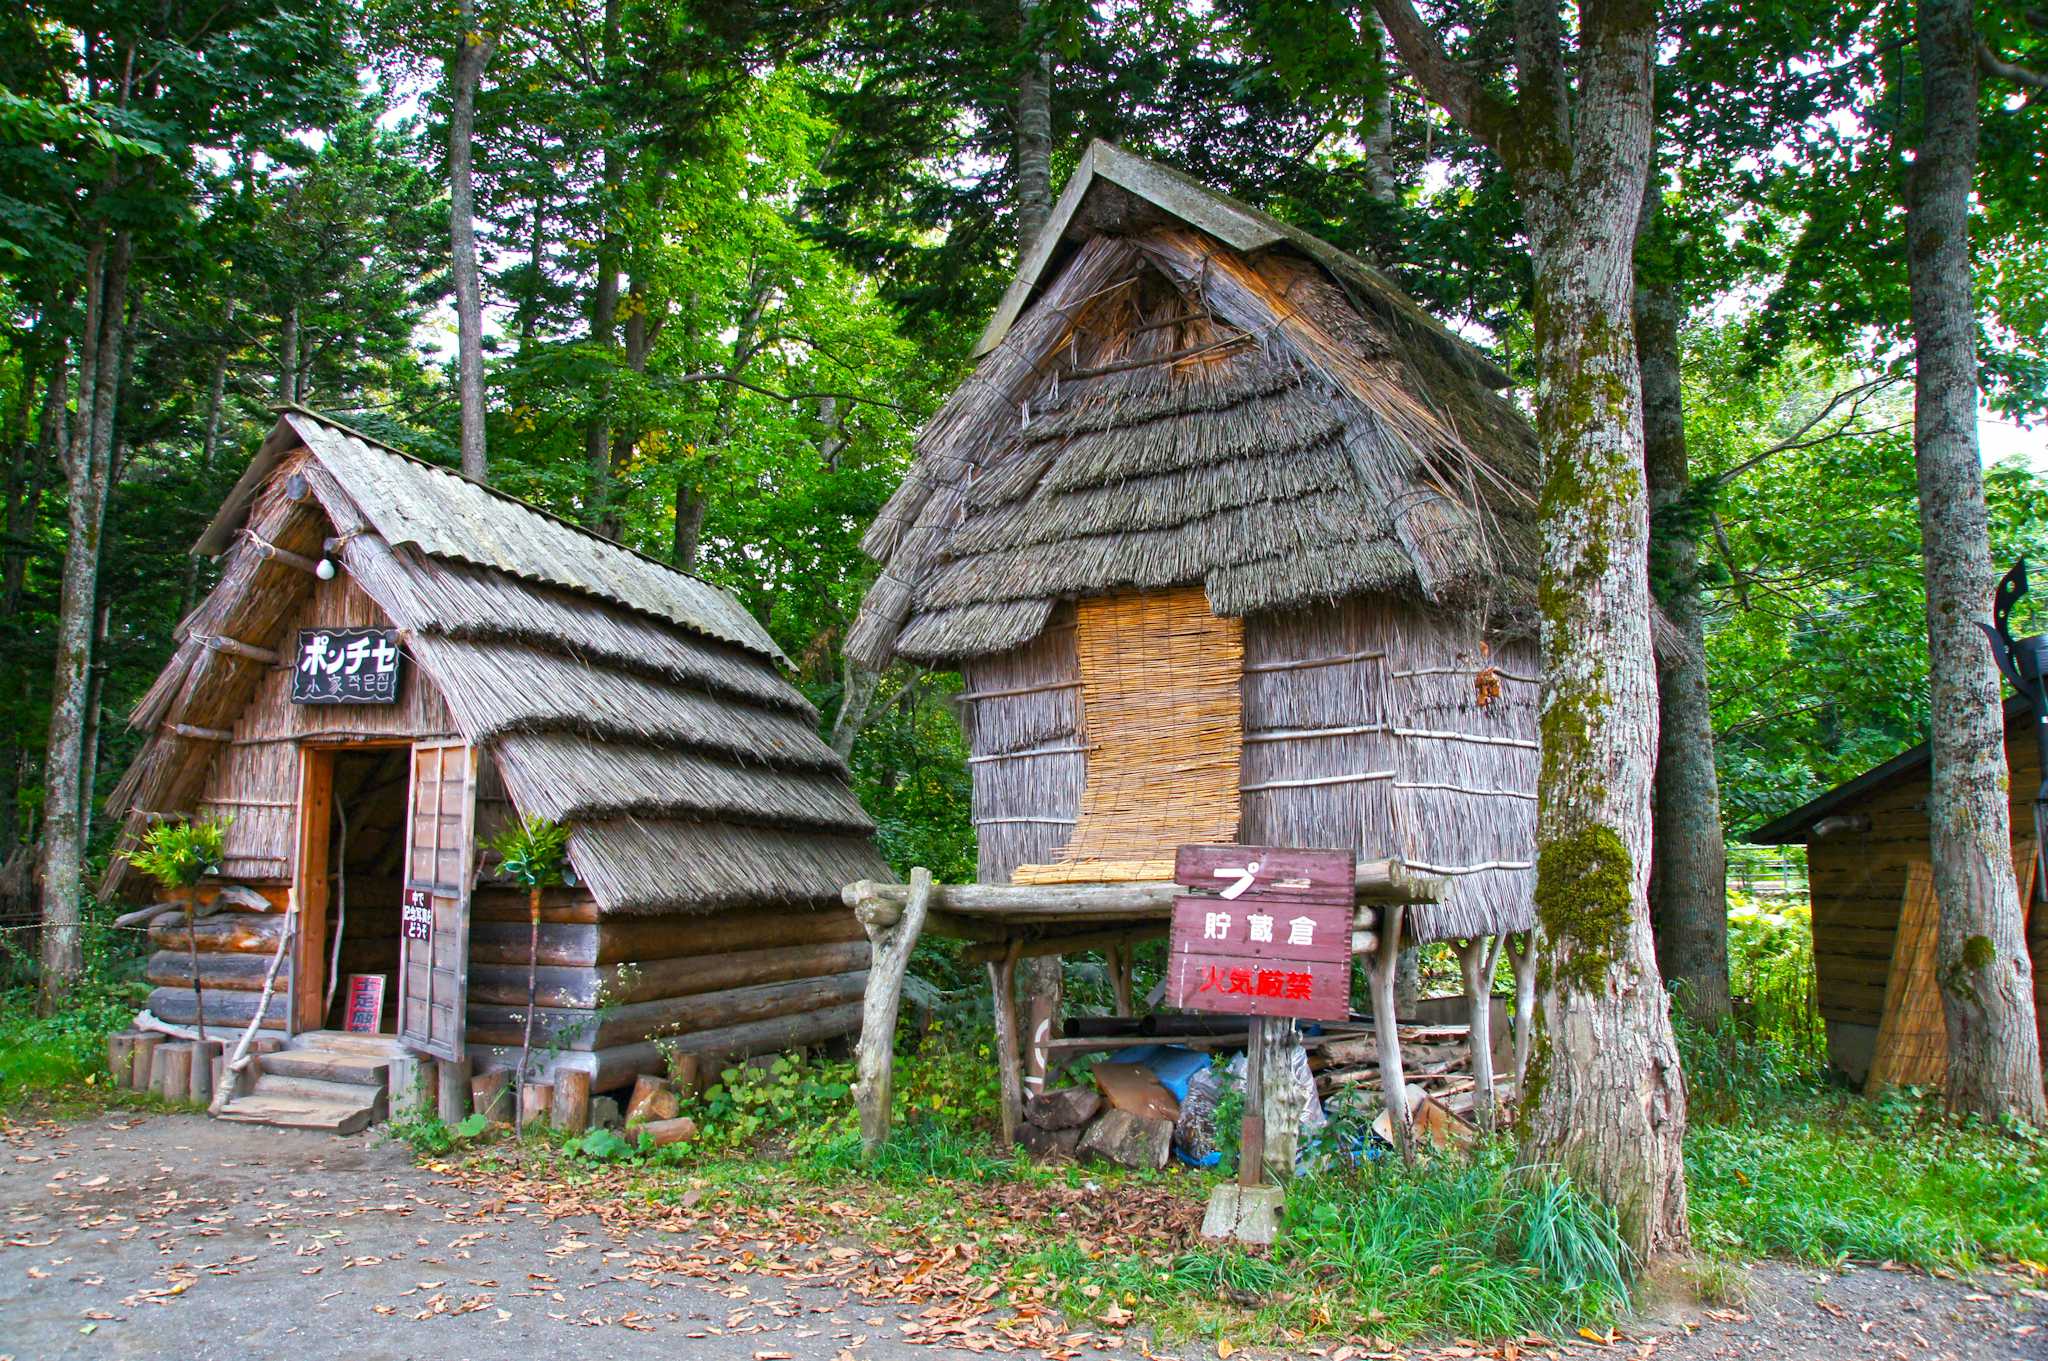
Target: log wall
1858 882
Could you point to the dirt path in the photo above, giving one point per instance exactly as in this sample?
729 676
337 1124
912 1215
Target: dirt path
182 1237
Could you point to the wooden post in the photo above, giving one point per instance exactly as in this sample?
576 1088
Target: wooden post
1251 1148
491 1090
176 1062
1476 960
1523 956
121 1057
536 1103
891 934
1280 1096
205 1058
1387 1030
1120 978
144 1056
412 1084
572 1100
454 1102
159 1068
1002 977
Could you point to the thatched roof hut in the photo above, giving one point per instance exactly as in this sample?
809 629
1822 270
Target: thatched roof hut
1231 541
579 681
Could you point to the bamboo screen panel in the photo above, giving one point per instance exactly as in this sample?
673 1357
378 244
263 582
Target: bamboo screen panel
1161 691
1912 1037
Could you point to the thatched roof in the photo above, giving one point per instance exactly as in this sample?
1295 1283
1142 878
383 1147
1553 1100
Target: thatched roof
637 703
1178 389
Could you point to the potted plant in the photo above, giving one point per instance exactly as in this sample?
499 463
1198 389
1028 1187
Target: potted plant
534 852
178 855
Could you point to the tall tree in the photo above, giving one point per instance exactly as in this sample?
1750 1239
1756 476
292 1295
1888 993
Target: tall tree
1605 1099
1994 1063
473 47
1689 857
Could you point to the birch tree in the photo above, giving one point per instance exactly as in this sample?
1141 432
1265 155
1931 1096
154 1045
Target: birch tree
1605 1100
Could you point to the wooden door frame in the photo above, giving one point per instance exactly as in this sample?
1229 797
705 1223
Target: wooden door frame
316 815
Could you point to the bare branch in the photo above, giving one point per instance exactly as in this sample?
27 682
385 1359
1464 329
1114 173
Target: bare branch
721 376
1799 439
1995 65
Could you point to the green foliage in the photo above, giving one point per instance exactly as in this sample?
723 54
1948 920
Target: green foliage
1770 964
792 1100
52 1056
179 854
533 851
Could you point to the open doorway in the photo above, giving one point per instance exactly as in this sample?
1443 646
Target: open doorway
365 871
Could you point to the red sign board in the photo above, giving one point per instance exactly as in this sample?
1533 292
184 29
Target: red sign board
1270 937
365 1012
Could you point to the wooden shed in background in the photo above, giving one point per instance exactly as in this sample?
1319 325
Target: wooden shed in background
1869 868
545 671
1231 542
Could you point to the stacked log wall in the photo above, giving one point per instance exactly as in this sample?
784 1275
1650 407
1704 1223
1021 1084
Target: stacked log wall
616 995
1858 883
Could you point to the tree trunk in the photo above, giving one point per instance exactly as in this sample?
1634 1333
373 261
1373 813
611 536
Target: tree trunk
465 76
856 696
602 506
1605 1101
1688 860
1994 1064
87 477
288 356
1033 170
691 498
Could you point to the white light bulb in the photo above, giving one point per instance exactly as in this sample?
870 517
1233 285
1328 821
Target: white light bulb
325 571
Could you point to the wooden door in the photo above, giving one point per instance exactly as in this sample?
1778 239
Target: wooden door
434 929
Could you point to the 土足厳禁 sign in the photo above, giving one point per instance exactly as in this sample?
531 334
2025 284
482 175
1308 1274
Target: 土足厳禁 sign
1269 933
346 666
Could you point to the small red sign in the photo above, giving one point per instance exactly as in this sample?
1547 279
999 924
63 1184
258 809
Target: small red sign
365 1014
1271 936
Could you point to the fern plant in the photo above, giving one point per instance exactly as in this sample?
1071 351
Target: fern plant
179 854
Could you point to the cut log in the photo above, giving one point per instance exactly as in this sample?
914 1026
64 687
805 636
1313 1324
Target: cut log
617 942
536 1103
661 1133
453 1075
412 1085
874 1088
121 1057
593 1029
206 1057
653 1099
160 1068
490 1092
143 1054
572 1101
618 1066
1131 1140
1063 1108
174 1060
226 933
228 1009
684 1072
581 986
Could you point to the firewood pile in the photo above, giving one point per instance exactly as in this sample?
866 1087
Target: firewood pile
1436 1058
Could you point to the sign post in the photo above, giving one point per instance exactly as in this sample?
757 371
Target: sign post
1265 932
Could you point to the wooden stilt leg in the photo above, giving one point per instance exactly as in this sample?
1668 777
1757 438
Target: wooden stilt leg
1524 957
1476 960
891 934
1120 979
1002 976
1280 1095
1393 1079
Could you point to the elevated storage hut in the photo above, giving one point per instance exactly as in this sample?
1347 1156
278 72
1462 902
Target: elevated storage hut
1231 542
1869 863
542 670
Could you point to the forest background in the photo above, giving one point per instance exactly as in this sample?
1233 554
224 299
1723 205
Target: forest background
730 256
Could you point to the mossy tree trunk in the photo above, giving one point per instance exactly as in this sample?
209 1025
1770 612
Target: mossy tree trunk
1605 1101
465 76
1689 861
1994 1054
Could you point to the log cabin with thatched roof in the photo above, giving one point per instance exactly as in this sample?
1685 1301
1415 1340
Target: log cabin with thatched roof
1231 542
541 671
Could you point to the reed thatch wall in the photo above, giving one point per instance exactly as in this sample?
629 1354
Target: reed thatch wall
1022 712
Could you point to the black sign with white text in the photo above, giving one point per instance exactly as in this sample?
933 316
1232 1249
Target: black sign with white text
346 666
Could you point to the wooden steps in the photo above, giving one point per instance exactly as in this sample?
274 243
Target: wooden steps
324 1080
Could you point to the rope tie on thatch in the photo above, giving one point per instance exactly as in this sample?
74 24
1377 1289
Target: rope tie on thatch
1473 790
1021 689
1317 781
1466 671
1291 734
1479 738
998 822
1025 755
1481 868
1305 663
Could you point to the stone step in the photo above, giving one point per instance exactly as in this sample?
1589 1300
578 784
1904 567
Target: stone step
330 1065
337 1117
382 1046
278 1087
